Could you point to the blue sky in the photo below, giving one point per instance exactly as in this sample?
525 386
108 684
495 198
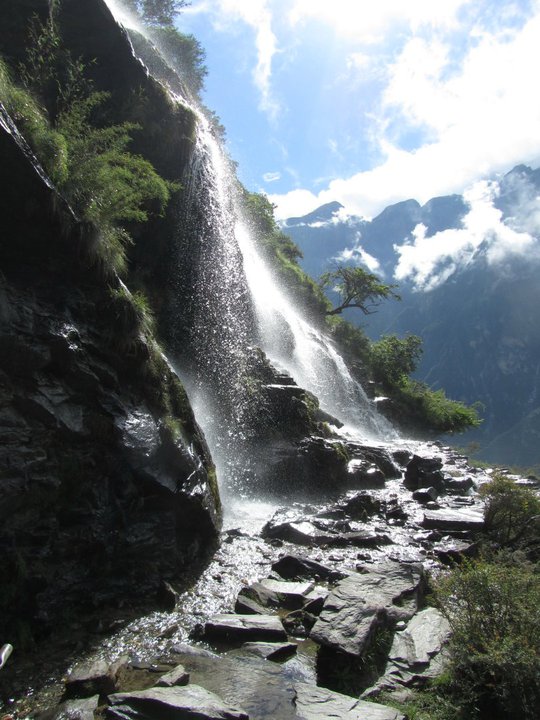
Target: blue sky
369 102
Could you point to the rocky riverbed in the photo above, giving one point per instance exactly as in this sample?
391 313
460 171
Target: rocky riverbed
305 608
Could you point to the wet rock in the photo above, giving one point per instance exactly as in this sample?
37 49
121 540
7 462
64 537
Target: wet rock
301 532
167 596
243 628
377 456
423 473
394 512
293 567
449 520
361 506
364 474
417 654
186 702
299 623
459 486
366 538
178 676
260 687
278 593
316 703
362 604
246 605
402 457
82 709
270 651
425 495
90 678
453 553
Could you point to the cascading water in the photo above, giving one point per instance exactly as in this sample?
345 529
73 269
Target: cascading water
227 300
308 356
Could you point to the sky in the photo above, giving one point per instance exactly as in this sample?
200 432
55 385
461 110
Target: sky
369 102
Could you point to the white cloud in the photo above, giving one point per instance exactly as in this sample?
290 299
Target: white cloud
257 14
358 256
429 261
366 22
474 115
271 176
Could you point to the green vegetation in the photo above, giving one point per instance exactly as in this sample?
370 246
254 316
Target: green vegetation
512 513
357 288
392 361
156 12
64 121
389 361
183 52
493 607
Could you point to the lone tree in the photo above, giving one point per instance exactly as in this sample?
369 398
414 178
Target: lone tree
357 288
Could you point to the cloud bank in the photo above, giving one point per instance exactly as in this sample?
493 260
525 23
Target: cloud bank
462 90
428 262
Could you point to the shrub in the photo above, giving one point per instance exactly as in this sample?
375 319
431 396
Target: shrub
49 145
494 612
512 512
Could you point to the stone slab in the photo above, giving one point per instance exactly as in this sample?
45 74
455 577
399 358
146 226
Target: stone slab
176 703
244 628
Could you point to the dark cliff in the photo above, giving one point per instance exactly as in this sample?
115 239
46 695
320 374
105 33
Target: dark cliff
106 483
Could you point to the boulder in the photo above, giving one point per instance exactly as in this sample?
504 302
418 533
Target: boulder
178 676
364 474
424 472
82 709
242 628
278 593
300 532
361 506
90 678
270 651
425 495
361 604
450 520
176 703
417 654
263 689
316 703
292 567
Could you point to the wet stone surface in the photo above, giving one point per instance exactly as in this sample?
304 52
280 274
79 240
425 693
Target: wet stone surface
365 560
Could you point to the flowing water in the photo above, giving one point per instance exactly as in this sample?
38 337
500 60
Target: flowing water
231 301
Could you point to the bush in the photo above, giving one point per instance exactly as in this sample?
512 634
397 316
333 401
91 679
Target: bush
49 146
512 512
494 612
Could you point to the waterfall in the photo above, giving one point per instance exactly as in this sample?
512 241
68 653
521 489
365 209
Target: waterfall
223 301
304 352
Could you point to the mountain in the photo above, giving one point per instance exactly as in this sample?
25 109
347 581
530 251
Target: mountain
467 269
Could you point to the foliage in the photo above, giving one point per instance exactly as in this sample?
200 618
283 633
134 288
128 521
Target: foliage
353 342
512 512
184 54
494 611
430 410
357 289
394 359
105 183
156 12
49 70
48 144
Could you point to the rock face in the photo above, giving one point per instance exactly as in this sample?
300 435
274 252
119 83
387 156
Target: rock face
417 654
187 702
362 604
106 483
